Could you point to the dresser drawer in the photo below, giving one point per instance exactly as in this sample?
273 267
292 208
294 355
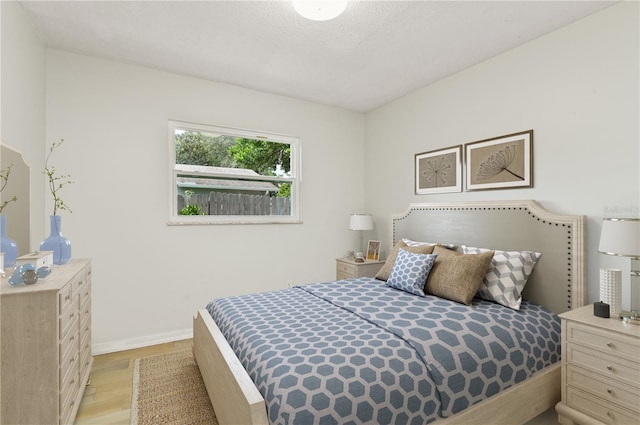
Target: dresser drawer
81 282
68 403
85 353
609 366
67 385
70 341
84 291
69 365
609 390
608 342
85 319
68 317
599 409
64 298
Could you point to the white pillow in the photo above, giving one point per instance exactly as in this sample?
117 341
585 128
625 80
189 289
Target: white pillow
507 275
409 242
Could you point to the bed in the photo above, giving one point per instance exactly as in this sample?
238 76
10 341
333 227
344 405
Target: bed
415 374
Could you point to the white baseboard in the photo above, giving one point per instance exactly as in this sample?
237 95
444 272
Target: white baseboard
143 341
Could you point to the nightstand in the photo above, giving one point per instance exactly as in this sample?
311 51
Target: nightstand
600 370
346 268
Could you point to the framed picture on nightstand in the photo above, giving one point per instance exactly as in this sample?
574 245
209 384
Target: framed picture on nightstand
373 250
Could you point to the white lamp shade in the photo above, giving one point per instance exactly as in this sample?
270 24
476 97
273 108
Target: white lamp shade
360 222
620 236
320 10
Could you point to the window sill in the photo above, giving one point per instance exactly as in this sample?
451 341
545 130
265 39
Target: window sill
208 220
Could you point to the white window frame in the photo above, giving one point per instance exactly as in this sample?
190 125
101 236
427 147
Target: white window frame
294 178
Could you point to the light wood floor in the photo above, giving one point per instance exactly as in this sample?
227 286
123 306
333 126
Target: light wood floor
107 399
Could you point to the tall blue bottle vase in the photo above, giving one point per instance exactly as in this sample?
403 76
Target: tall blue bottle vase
7 245
57 243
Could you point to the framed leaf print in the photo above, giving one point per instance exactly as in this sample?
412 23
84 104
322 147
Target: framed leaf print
500 163
439 171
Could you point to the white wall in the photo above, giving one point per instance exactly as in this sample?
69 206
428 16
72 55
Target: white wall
577 88
149 278
22 117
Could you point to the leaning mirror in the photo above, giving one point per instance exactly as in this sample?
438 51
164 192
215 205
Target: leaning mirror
17 213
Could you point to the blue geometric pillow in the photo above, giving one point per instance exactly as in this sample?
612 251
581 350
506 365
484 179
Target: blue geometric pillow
410 272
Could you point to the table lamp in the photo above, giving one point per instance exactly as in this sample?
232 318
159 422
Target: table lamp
621 237
360 222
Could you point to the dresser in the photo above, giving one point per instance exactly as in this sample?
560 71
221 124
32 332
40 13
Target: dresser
46 346
600 370
347 268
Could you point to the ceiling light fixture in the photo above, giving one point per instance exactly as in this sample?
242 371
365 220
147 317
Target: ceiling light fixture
320 10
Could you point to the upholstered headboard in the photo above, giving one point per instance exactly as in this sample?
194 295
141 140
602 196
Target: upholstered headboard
558 281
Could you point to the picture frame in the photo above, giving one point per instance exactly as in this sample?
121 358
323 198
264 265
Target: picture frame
439 171
373 251
501 162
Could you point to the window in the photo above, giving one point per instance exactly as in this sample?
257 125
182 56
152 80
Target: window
225 175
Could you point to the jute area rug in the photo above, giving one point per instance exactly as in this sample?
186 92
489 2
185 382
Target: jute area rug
168 389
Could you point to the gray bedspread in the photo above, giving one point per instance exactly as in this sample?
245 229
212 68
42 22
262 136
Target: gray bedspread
357 351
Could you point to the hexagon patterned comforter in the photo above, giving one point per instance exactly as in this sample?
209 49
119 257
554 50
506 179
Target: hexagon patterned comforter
357 351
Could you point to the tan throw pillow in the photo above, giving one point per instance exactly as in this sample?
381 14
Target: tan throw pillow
455 276
385 271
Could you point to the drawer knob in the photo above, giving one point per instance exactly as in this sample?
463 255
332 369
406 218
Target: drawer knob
610 368
610 344
609 390
610 414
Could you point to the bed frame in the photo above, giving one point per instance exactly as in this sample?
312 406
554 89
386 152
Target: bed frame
558 282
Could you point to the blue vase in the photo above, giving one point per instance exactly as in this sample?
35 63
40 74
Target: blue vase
8 246
57 243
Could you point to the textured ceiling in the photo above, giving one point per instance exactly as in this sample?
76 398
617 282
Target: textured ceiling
376 51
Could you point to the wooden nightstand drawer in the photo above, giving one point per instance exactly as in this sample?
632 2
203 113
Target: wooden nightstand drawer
347 268
610 390
607 365
594 407
608 342
600 370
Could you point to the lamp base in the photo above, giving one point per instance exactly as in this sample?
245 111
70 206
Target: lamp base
630 317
